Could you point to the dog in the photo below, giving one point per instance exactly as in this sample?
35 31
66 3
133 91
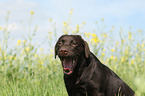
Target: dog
84 74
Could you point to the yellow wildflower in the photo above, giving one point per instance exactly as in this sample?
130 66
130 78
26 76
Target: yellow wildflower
10 57
122 41
41 49
27 49
108 59
50 32
64 23
94 35
23 51
68 21
115 59
117 43
73 31
35 55
67 27
112 57
65 32
103 54
139 30
0 48
87 34
142 45
15 58
52 50
137 45
113 27
1 28
50 19
18 42
71 11
32 12
5 57
77 26
8 12
51 55
126 51
102 19
95 40
122 59
84 22
24 41
104 49
41 62
105 35
129 35
132 61
77 31
112 50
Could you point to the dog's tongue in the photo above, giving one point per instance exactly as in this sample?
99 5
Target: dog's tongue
67 63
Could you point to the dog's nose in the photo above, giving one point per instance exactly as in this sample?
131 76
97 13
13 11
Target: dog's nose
63 51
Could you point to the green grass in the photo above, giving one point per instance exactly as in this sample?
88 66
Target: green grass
29 70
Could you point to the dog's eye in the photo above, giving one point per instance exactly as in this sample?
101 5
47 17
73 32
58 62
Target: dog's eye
74 44
59 43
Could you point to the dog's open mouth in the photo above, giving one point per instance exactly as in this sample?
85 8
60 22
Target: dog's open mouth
68 64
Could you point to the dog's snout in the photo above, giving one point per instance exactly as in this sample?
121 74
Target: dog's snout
63 51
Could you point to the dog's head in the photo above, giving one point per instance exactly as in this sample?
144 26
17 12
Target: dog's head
69 48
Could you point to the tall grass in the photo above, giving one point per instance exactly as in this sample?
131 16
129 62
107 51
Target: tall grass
29 70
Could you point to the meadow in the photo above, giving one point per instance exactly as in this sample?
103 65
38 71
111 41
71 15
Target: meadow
27 69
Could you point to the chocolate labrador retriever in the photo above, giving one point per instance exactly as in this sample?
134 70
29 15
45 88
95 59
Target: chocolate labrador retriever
84 74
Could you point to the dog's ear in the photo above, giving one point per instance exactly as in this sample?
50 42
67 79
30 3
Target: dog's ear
87 49
55 50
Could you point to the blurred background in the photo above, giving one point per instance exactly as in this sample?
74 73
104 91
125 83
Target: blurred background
29 29
125 13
